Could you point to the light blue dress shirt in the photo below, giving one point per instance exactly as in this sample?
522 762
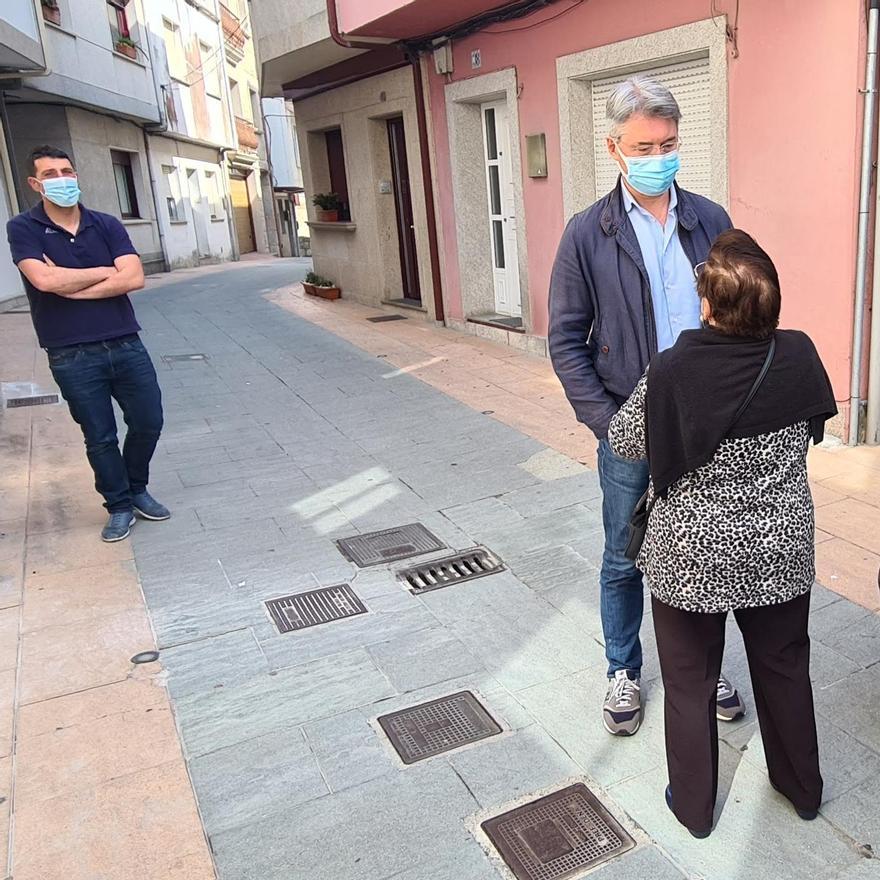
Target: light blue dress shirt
673 287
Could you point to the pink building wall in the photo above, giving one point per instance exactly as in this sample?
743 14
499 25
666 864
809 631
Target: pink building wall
794 136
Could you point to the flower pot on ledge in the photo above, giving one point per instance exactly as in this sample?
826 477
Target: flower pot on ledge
323 292
126 49
328 216
52 14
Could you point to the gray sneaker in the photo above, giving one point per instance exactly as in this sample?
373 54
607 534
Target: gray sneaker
146 506
118 526
729 705
622 712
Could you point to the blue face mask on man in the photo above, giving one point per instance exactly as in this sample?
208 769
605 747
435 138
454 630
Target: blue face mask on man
61 191
651 175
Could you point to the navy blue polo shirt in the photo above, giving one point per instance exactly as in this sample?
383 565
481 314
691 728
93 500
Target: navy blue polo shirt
100 239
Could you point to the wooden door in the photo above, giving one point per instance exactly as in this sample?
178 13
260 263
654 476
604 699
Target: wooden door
241 213
406 233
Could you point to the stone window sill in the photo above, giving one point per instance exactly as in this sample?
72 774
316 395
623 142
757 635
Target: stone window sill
338 226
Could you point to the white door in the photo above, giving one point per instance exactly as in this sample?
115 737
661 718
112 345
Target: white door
502 218
197 204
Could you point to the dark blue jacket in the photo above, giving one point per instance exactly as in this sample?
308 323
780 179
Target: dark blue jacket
602 332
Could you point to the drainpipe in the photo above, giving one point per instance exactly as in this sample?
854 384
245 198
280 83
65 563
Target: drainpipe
870 93
424 150
148 152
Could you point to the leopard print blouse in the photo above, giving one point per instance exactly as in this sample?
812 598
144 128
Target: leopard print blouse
735 533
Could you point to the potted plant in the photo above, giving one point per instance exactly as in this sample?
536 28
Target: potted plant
126 46
328 205
315 285
51 11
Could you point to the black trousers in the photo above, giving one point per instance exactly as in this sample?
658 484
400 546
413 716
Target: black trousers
691 647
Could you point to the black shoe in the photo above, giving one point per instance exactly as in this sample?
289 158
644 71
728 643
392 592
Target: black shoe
806 815
700 835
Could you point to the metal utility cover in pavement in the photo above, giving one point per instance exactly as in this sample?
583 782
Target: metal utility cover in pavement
389 545
34 400
431 728
453 569
557 836
302 610
171 358
381 319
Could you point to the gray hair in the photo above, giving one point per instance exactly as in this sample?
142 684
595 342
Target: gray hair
639 95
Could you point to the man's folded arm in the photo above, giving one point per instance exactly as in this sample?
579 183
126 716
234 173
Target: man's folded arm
128 275
61 280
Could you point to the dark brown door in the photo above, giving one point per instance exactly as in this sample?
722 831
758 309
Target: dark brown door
406 234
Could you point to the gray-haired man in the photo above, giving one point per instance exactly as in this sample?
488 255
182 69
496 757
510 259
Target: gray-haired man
622 289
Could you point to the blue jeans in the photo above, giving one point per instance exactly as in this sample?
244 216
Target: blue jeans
90 377
620 582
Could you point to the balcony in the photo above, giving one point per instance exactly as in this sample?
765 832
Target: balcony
234 35
247 135
402 19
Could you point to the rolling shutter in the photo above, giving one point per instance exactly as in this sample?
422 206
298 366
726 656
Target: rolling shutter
689 82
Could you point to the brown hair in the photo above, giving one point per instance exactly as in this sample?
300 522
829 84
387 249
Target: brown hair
740 282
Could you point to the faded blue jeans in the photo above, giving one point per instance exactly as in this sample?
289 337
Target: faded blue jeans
622 598
90 377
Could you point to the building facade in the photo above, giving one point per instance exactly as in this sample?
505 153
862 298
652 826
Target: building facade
95 102
285 169
21 57
359 138
514 101
158 105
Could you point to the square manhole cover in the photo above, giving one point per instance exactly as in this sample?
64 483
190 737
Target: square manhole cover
324 605
382 319
431 728
557 836
437 573
389 545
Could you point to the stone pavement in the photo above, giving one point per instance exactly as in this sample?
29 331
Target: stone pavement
282 439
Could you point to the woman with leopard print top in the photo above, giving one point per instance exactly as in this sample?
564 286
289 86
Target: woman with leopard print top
731 525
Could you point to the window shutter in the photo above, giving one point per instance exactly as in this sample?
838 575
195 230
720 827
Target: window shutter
689 83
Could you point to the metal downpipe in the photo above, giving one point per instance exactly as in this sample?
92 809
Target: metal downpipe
864 218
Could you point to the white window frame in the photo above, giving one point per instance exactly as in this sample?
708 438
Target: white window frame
212 195
211 60
177 64
174 198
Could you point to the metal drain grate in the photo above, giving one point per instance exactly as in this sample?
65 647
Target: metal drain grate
196 356
389 545
32 400
431 728
382 319
439 573
302 610
557 836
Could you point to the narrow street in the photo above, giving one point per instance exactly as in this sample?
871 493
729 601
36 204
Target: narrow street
291 424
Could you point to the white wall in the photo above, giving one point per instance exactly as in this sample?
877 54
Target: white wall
181 239
10 283
87 70
200 113
22 16
283 147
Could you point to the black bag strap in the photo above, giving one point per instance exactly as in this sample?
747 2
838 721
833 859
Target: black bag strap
744 406
761 376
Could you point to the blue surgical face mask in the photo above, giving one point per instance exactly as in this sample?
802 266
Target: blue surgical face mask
651 175
61 191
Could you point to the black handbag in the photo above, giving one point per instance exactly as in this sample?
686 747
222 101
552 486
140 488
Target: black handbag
638 521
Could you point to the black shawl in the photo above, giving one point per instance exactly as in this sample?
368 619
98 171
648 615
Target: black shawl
696 387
